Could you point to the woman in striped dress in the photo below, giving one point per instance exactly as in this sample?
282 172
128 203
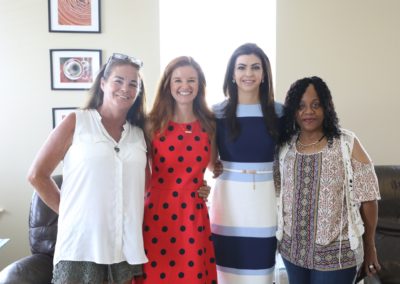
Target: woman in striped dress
243 204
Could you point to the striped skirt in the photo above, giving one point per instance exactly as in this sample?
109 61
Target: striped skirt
243 223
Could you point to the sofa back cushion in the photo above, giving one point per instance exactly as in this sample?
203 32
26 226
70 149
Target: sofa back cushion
387 239
389 205
43 224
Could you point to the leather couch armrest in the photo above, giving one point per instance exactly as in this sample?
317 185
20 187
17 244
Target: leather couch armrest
37 268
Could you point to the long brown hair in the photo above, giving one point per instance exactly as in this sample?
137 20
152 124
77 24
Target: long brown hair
164 104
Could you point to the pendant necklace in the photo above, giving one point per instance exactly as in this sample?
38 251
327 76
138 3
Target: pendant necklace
187 128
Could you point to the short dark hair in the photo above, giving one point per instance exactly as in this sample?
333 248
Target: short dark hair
294 95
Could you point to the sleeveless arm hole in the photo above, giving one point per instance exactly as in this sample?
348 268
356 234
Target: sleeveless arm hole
359 154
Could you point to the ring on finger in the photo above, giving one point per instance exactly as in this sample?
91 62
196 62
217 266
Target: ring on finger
371 266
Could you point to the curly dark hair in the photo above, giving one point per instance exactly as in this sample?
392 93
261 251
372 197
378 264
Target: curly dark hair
266 92
296 91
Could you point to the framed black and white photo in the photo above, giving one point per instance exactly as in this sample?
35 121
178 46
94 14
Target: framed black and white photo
59 113
74 16
74 69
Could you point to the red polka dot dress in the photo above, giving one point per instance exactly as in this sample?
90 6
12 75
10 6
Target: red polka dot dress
177 231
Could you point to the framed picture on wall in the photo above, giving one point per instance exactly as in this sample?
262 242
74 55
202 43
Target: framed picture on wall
59 113
74 16
74 69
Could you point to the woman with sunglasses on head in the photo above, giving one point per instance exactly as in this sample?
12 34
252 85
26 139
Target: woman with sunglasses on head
177 233
100 206
243 204
328 192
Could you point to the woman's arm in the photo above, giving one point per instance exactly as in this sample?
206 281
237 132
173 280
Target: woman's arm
369 214
147 174
49 156
147 137
215 165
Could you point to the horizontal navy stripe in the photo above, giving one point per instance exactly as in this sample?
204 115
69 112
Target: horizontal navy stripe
245 252
254 144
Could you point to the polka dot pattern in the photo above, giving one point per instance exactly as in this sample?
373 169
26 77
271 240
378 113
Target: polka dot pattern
177 231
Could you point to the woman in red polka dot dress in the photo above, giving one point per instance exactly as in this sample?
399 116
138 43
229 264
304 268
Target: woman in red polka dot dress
177 233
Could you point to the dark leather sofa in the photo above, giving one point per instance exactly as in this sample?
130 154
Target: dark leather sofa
37 268
387 238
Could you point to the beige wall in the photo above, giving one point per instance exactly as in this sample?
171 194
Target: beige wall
354 46
128 26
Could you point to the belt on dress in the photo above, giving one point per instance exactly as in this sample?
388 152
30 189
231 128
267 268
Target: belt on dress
251 172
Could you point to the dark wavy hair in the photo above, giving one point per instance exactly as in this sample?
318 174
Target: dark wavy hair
296 91
266 93
136 114
164 103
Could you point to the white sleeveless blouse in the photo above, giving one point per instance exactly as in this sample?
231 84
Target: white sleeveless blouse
102 196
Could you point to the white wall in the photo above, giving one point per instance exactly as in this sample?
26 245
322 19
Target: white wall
353 45
128 26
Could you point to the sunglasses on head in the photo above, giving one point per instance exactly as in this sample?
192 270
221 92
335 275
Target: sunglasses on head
123 57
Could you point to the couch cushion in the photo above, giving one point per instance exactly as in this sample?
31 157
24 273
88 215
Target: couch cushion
31 269
43 225
389 205
387 238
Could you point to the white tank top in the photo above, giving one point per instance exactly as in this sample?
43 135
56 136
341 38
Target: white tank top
102 195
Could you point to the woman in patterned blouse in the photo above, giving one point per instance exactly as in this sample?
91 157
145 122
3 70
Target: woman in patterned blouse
328 192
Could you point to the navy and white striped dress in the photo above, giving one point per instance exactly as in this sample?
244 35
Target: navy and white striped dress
243 202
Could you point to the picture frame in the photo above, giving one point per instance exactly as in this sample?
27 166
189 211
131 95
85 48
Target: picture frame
74 69
74 16
59 113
